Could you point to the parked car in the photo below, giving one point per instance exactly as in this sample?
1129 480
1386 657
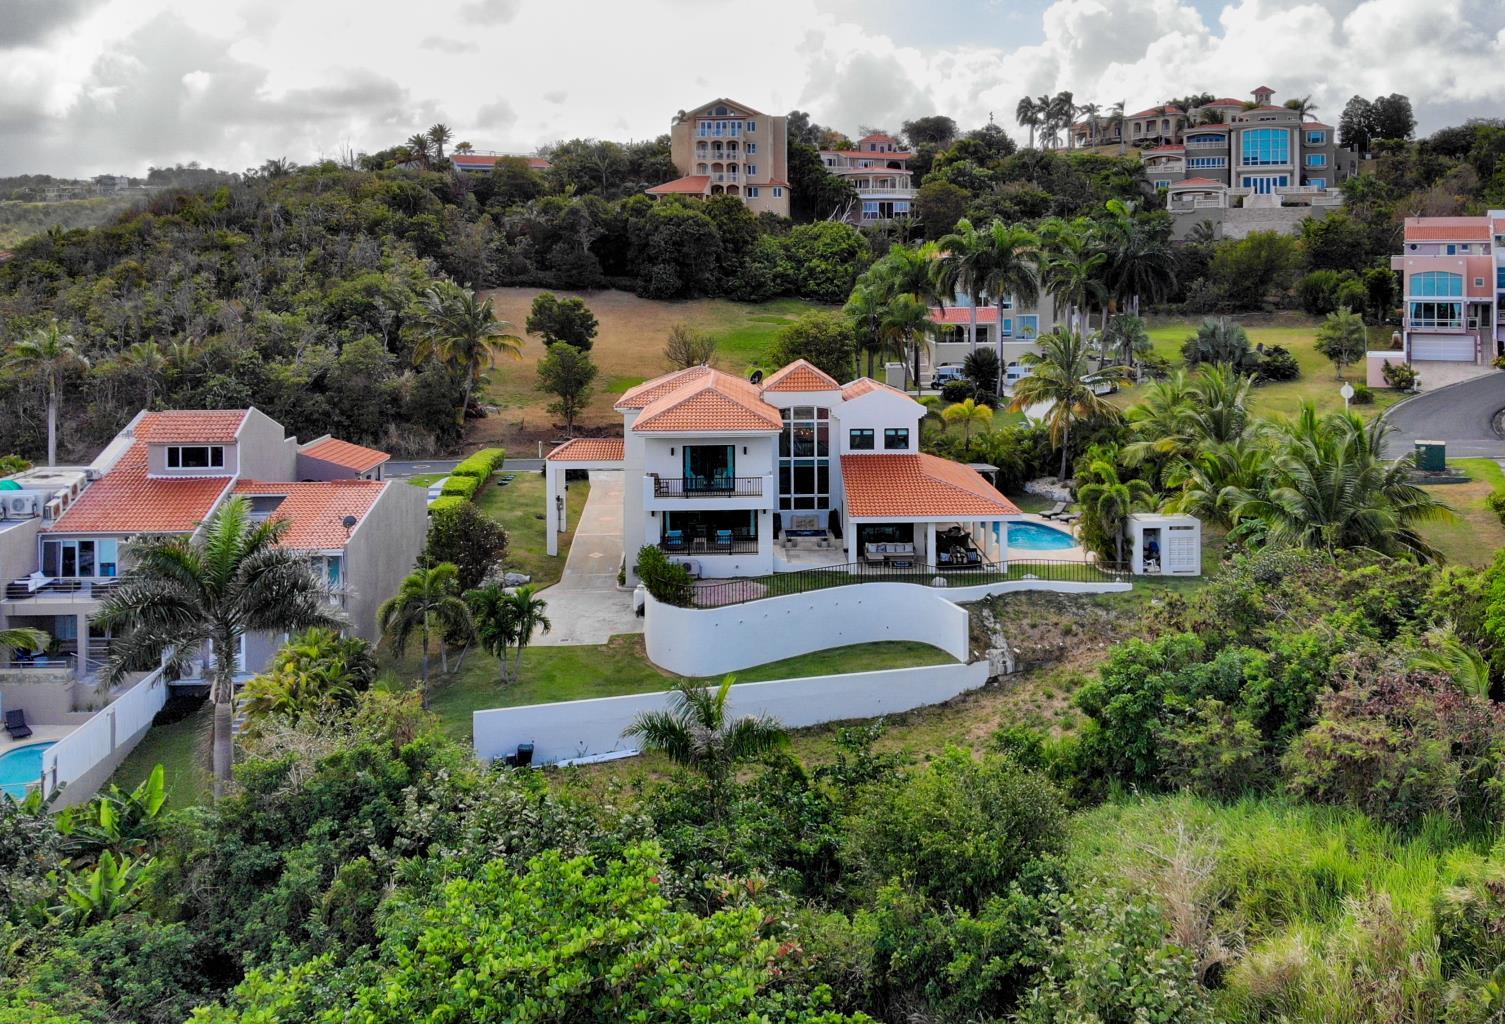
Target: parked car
1100 385
944 374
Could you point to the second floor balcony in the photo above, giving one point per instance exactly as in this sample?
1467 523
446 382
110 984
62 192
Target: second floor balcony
715 486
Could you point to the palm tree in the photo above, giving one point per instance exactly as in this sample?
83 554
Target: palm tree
1209 486
1049 125
418 148
1140 264
528 615
969 414
495 620
461 331
184 595
427 603
1063 106
1013 272
1126 335
906 320
147 359
865 307
1092 111
48 353
439 134
964 266
1328 487
1027 113
1056 380
313 672
696 733
464 147
1108 500
1072 276
1446 653
1116 119
1303 106
23 638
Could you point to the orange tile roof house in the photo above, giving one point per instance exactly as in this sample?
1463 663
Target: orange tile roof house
745 479
167 472
725 147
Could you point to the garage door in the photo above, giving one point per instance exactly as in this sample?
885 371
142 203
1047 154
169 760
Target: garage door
1452 348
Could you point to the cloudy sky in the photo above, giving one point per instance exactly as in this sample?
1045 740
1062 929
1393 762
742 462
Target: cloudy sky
88 86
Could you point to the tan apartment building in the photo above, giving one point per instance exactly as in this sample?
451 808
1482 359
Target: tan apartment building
727 148
878 168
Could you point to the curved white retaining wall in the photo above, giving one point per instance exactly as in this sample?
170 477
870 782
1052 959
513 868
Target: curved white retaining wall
714 641
591 728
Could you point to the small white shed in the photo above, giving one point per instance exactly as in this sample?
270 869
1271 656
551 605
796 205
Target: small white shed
1164 545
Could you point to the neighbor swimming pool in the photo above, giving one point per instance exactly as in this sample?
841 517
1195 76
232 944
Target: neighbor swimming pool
20 767
1038 537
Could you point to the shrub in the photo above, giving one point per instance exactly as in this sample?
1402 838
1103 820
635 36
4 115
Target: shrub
1277 364
467 537
1496 503
1399 375
482 464
666 580
958 390
444 502
1318 291
1362 395
461 487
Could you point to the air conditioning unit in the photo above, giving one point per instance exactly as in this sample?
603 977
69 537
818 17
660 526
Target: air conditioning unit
21 506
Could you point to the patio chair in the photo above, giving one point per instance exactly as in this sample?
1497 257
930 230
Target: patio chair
724 539
1056 512
674 540
15 724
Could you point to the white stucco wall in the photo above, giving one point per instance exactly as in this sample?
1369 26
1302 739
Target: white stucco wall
583 728
714 641
876 411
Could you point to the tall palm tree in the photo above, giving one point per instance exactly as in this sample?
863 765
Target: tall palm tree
1108 500
969 414
418 148
461 331
492 611
1092 111
865 307
696 733
146 359
189 594
49 354
528 614
964 266
1141 265
1056 380
1303 106
1013 273
439 134
906 322
1073 277
427 603
1063 105
1328 487
1116 119
1027 113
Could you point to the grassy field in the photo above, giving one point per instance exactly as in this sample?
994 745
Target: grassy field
182 749
628 350
1476 534
1293 331
621 667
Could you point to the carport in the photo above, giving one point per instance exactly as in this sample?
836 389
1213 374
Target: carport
576 453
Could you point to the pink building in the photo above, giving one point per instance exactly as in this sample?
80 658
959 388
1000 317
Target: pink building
1452 289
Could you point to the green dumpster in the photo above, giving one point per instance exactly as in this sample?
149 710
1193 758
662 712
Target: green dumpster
1431 456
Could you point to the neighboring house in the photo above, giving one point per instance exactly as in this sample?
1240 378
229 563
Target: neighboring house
879 171
1452 290
1012 330
744 479
166 473
728 148
484 163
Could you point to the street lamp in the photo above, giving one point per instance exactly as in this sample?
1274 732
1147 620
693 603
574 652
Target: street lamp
1347 392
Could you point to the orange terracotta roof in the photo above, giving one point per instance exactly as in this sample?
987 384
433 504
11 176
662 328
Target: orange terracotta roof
1447 229
690 184
126 500
919 487
866 386
715 402
589 449
963 315
345 453
646 393
317 510
878 137
800 375
190 426
1224 102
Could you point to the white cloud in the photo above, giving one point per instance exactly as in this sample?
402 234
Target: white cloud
93 85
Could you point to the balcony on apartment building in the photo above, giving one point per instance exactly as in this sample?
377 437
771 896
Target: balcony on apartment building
707 487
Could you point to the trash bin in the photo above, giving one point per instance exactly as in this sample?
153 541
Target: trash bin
1431 456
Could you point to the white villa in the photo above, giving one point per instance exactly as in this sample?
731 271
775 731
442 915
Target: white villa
741 479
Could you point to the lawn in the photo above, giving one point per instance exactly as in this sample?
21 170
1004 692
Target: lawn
182 749
519 507
1295 332
621 667
1476 534
628 350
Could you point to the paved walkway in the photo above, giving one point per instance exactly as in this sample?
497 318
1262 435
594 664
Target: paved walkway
585 606
1459 414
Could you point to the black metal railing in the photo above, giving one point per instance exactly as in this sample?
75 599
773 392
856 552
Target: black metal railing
718 593
20 590
708 487
739 542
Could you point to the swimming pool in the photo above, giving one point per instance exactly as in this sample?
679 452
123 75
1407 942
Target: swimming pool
20 767
1036 537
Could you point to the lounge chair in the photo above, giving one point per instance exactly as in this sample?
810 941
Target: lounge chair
1055 513
674 540
15 724
724 539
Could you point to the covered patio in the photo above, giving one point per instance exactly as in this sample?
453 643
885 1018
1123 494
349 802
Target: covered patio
577 453
908 511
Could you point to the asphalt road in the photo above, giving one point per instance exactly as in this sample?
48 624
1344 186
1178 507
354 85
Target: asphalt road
1460 414
423 467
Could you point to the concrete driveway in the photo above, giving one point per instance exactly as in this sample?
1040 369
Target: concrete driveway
585 606
1460 414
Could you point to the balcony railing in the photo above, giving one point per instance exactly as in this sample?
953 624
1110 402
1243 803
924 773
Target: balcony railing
708 487
21 590
739 542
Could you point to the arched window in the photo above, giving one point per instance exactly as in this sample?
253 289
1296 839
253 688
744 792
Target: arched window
1437 283
1266 146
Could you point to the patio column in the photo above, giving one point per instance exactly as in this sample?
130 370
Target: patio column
81 659
995 548
554 506
930 554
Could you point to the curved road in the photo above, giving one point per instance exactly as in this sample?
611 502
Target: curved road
1460 414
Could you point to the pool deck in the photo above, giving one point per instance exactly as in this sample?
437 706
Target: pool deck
1076 553
39 734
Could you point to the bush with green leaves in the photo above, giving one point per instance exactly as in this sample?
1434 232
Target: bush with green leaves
480 464
1401 375
1276 363
446 501
667 580
468 538
463 487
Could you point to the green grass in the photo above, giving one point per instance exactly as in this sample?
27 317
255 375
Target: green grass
1318 383
182 749
744 338
621 667
1473 537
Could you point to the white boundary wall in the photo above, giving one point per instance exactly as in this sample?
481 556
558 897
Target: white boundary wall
84 759
590 728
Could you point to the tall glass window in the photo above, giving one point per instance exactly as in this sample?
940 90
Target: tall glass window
1437 283
1261 146
804 458
1437 314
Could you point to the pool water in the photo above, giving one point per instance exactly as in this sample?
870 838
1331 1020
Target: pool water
1032 537
20 767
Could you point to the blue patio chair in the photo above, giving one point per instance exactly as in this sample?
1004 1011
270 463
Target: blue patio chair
723 538
674 538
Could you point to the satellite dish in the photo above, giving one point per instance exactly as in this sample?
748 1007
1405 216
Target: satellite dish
349 522
756 377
